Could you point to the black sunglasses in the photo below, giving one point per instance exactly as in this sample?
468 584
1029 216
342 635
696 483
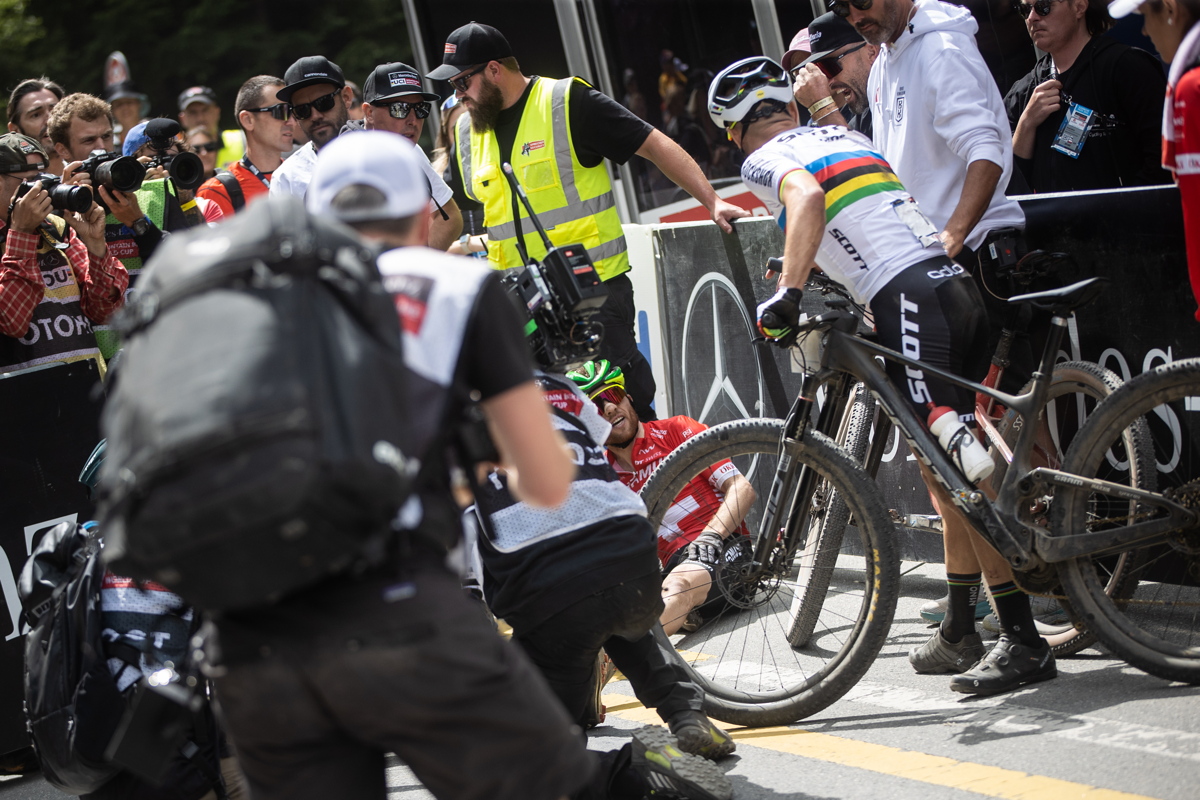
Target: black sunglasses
832 67
207 147
400 109
1042 7
281 111
842 9
463 82
321 104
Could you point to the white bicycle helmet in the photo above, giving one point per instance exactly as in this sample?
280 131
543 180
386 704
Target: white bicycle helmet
743 85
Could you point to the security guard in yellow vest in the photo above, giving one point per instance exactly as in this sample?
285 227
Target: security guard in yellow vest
557 134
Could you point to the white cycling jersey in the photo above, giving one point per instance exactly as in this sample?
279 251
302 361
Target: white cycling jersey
873 228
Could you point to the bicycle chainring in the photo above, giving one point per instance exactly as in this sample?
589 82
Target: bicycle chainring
1040 580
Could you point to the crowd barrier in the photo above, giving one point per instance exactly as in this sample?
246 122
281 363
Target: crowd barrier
50 427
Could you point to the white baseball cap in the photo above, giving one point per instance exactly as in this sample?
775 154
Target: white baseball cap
1123 8
385 161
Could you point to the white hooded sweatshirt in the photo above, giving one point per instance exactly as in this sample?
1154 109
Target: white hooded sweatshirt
937 109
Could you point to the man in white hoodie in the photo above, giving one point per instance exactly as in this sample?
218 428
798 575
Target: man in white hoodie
940 122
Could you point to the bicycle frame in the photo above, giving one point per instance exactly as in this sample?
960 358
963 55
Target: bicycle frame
1026 547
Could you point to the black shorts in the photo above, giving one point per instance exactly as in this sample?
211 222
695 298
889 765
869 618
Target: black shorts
738 549
933 312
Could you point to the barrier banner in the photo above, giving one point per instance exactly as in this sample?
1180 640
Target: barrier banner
51 426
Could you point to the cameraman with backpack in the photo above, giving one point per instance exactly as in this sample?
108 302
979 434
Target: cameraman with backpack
317 689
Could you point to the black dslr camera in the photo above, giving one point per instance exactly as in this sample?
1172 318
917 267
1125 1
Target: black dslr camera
114 171
62 198
185 169
561 296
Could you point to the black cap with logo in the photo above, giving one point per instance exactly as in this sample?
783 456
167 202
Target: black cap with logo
390 82
469 46
310 71
829 32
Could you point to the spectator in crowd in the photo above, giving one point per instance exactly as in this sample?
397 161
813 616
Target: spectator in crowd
831 83
355 108
267 123
798 51
634 100
674 73
939 121
682 128
692 544
204 145
57 276
129 107
517 119
29 108
1172 26
1001 40
443 157
318 688
198 108
394 100
1107 92
315 89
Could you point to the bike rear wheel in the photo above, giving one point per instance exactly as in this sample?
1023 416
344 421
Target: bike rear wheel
1156 627
740 655
1076 387
827 523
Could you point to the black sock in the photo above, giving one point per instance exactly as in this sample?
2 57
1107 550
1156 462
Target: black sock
960 611
1014 613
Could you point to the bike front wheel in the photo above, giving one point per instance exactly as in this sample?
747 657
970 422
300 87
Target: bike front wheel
1156 627
740 654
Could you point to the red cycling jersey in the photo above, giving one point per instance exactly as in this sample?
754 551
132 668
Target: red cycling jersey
698 501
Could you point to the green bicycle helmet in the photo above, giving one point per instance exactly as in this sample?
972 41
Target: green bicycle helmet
596 376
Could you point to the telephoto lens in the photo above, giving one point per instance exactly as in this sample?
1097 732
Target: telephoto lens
186 169
62 198
124 174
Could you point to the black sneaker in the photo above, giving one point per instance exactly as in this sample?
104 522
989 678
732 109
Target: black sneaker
938 655
698 736
670 772
1007 666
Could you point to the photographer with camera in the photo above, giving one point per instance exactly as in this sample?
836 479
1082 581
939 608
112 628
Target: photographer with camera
81 126
156 145
57 275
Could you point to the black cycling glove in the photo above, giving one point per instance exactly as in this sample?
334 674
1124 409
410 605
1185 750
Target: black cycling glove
779 317
706 548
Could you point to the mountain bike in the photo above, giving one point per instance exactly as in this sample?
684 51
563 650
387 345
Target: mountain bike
1075 388
741 656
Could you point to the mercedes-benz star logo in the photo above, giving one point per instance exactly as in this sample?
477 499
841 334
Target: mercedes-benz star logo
718 360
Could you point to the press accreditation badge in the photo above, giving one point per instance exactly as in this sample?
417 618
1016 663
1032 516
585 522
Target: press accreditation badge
1072 134
911 215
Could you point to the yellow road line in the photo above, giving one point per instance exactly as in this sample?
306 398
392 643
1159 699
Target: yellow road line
937 770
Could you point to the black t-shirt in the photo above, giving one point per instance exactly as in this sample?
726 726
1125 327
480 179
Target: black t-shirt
600 127
493 359
1124 86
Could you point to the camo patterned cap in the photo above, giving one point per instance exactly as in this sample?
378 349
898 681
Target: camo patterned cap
14 151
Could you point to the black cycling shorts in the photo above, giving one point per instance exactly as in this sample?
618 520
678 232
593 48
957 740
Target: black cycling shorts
933 312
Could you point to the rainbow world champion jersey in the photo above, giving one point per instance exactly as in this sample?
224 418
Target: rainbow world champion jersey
867 241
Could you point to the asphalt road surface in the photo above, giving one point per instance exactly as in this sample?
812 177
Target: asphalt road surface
1100 731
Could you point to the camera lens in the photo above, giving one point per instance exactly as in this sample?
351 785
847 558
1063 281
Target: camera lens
187 170
123 174
71 198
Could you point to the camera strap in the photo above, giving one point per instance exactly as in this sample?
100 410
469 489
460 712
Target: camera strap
520 233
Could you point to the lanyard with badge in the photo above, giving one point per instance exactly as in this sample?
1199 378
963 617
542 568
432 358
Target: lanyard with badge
1072 133
264 177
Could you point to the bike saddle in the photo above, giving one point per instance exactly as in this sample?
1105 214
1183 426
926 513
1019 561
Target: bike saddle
1065 300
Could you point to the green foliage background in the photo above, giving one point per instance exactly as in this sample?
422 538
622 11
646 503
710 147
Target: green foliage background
171 45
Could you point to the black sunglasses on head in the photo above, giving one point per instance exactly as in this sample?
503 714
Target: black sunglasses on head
1042 7
280 111
400 109
842 9
322 104
463 82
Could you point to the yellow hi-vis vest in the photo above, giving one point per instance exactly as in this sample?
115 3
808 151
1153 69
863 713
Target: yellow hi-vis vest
574 202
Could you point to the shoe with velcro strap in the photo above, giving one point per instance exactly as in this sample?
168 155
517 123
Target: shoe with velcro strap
671 773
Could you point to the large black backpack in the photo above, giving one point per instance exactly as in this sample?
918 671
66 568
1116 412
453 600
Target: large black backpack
257 436
72 704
